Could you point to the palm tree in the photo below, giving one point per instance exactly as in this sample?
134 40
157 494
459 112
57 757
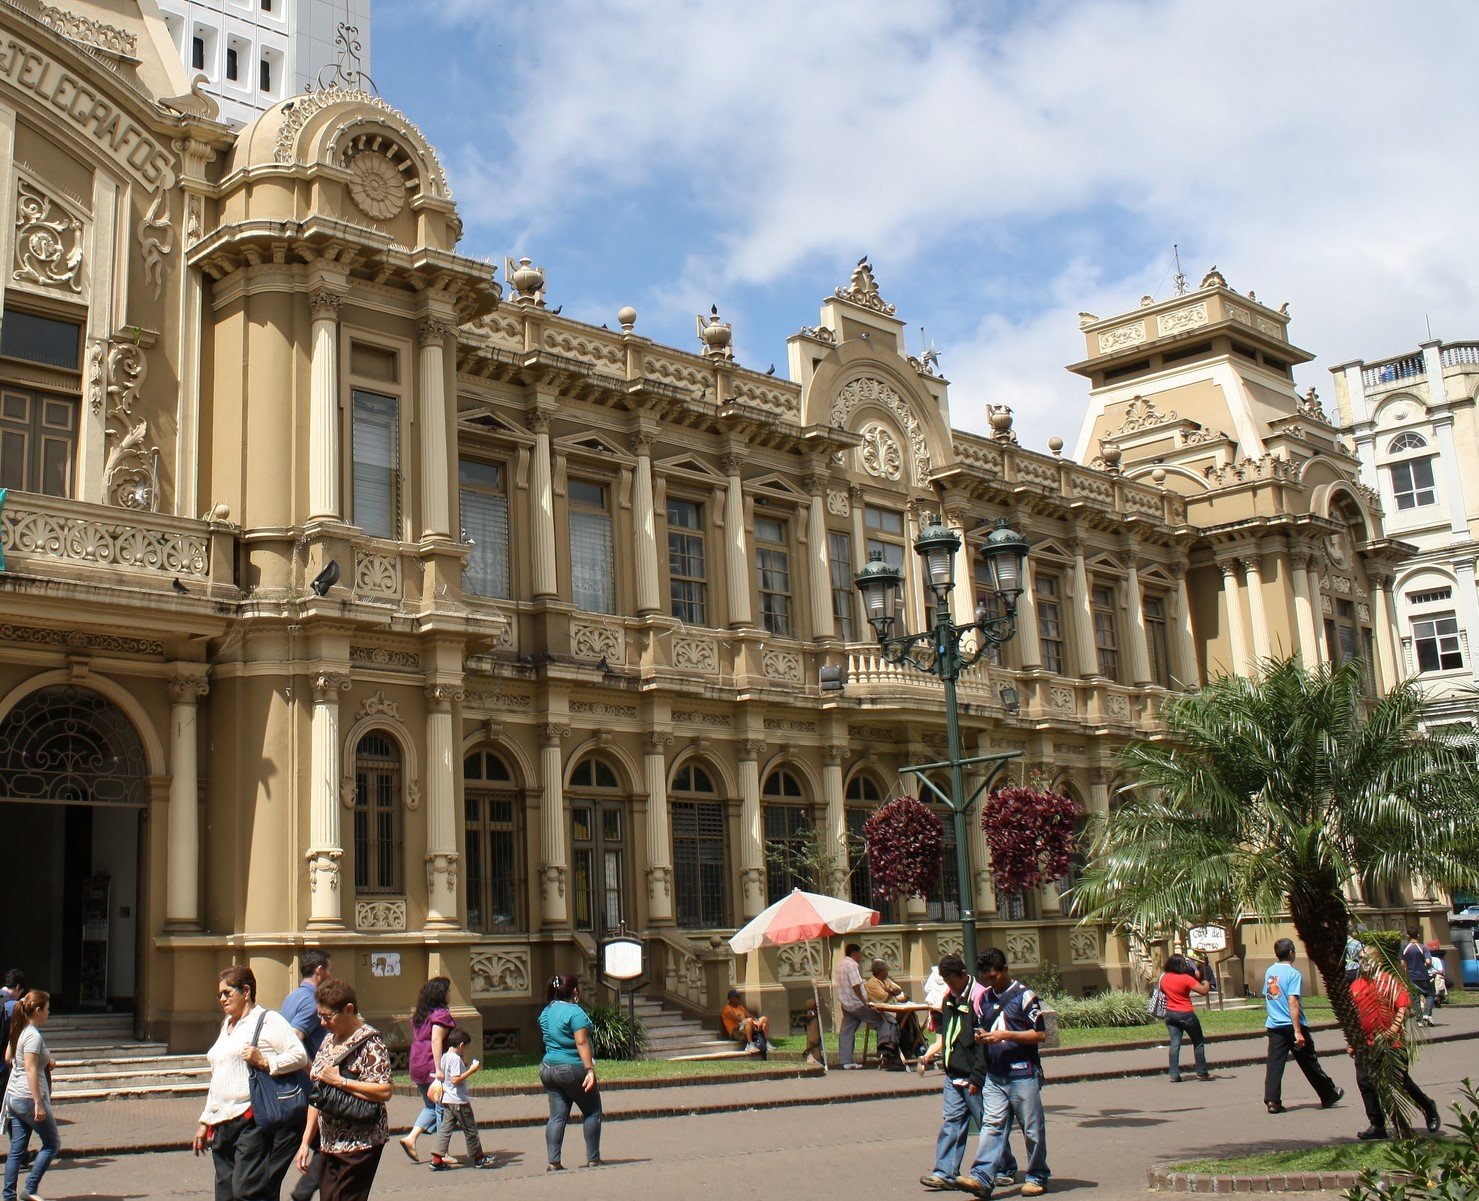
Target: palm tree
1268 794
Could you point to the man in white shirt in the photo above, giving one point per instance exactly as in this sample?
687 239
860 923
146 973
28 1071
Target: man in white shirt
847 981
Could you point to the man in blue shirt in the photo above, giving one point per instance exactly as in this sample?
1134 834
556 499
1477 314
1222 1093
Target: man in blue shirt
300 1007
1010 1029
1289 1033
1418 961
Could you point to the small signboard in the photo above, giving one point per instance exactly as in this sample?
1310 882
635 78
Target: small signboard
385 963
623 959
1207 938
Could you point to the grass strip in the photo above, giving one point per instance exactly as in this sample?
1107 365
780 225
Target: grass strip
1331 1157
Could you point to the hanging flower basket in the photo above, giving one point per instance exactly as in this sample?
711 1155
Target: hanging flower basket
906 846
1030 832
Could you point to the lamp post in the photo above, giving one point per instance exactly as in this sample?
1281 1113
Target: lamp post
938 652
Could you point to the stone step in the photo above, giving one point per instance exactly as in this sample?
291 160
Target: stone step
168 1074
112 1092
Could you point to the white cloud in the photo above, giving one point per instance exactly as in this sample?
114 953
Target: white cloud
1318 152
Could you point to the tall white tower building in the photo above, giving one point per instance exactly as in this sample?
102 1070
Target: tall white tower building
255 52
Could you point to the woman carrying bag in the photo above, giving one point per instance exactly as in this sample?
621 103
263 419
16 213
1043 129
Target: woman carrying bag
1178 983
27 1104
256 1049
351 1084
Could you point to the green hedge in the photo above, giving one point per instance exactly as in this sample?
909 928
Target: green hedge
1115 1008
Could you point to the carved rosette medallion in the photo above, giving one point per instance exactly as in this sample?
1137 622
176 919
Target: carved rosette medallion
375 185
880 453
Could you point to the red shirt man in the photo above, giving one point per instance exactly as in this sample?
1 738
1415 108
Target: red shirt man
1381 1005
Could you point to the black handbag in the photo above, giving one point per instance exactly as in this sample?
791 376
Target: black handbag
340 1104
277 1101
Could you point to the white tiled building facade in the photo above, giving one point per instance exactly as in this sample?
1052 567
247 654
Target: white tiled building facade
255 52
1412 418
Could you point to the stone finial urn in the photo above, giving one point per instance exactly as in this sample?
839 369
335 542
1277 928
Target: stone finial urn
1111 454
1000 417
527 281
715 335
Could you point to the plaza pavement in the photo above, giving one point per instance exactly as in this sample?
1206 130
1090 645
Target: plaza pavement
1111 1114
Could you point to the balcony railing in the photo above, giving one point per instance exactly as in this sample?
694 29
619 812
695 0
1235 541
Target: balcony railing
1409 366
1461 354
37 530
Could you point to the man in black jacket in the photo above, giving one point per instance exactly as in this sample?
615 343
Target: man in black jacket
964 1061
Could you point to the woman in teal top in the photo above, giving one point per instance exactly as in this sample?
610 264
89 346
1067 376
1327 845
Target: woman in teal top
568 1071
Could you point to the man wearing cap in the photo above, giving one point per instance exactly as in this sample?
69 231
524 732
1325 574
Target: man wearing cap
744 1027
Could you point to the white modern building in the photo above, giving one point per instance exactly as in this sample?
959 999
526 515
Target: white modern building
254 52
1413 421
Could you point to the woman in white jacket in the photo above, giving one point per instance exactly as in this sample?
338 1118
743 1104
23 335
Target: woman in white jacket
250 1163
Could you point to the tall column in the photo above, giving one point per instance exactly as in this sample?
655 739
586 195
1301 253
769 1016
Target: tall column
836 813
1232 604
542 506
822 624
1139 650
1029 648
323 407
752 848
436 519
1388 666
554 866
659 836
182 890
1451 466
648 597
1304 607
1317 608
736 550
1257 610
1084 648
1183 639
325 899
1099 791
442 852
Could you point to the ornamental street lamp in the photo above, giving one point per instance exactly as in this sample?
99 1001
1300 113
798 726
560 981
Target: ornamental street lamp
939 652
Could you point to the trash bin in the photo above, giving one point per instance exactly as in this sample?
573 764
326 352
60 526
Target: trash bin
1463 941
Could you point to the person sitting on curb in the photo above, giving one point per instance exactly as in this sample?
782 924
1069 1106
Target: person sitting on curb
748 1030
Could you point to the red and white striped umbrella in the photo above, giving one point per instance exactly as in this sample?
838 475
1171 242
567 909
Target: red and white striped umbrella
800 916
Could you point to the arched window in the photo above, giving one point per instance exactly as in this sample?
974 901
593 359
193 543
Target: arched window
494 845
1405 442
377 814
598 845
1413 484
786 822
864 794
699 860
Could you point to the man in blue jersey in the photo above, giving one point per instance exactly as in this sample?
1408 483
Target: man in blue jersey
1289 1032
301 1009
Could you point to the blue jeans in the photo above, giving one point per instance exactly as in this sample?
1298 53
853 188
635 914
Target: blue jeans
21 1127
959 1109
1001 1101
1180 1023
562 1088
430 1117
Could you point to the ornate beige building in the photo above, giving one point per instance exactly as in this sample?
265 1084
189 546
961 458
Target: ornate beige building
350 602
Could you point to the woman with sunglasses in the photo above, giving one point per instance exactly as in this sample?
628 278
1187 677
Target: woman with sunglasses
568 1071
354 1059
250 1163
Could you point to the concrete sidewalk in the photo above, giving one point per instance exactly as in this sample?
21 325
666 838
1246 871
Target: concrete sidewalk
147 1124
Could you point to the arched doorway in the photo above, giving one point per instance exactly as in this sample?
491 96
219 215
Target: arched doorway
73 787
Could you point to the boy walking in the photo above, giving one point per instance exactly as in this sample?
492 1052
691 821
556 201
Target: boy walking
458 1106
1289 1033
964 1061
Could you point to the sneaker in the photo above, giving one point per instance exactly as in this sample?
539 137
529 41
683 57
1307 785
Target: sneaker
852 1067
1372 1133
555 1167
1204 1075
440 1165
437 1161
969 1184
488 1161
1033 1189
1004 1180
593 1163
1333 1101
936 1183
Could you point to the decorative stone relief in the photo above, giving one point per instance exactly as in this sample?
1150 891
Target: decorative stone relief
499 971
603 709
1142 414
305 107
377 573
1272 328
323 866
880 453
1118 705
1060 698
48 240
76 639
156 240
696 654
949 944
888 947
797 961
685 977
1121 336
1181 320
837 503
1022 949
789 725
871 390
123 543
1241 315
698 717
84 29
597 640
862 289
1083 946
379 705
384 913
380 656
375 185
782 665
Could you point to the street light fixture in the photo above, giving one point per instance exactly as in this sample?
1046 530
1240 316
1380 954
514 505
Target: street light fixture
938 652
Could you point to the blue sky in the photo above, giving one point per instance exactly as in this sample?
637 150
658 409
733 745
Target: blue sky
1005 166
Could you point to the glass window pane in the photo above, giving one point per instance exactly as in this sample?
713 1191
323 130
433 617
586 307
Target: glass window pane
376 464
592 562
40 340
485 522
